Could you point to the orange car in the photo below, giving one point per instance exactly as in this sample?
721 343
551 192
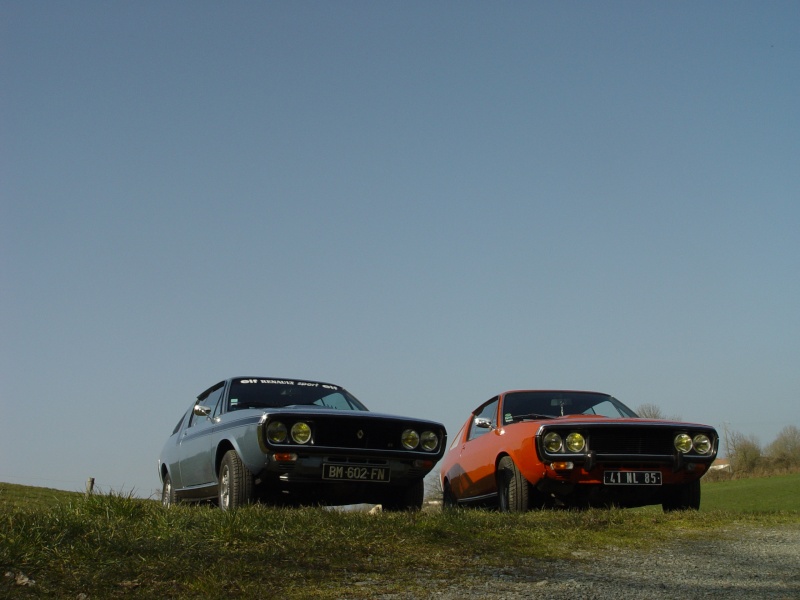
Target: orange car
537 449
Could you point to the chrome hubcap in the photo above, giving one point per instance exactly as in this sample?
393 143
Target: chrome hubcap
224 488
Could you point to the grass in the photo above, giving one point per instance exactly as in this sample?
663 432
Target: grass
18 496
116 546
767 494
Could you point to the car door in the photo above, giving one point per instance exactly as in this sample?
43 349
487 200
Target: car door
478 453
196 444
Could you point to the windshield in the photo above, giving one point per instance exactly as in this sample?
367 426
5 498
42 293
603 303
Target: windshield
272 393
520 405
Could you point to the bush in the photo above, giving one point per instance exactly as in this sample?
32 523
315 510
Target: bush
650 411
653 411
784 452
744 453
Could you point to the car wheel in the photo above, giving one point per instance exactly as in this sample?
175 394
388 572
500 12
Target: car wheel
408 498
685 496
512 487
235 482
448 499
168 497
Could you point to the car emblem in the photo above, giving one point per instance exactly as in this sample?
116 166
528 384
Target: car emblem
360 434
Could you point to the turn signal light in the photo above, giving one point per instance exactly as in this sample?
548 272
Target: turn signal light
284 456
562 466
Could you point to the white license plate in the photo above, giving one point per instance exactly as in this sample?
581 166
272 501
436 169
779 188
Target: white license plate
632 477
355 473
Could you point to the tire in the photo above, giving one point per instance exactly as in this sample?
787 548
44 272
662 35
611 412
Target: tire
168 496
512 487
448 499
235 488
685 496
407 498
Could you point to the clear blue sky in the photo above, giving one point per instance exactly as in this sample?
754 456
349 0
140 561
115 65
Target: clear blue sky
425 202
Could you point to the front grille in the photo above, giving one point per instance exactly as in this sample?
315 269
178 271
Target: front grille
626 443
631 441
367 434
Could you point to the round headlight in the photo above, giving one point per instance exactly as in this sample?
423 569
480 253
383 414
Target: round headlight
276 432
552 442
683 443
410 439
301 432
429 441
702 445
575 442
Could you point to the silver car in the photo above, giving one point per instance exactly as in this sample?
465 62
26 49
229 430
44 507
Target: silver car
295 442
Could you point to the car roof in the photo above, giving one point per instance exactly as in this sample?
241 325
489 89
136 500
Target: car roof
554 391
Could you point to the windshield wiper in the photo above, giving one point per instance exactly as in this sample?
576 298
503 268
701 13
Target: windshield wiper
532 416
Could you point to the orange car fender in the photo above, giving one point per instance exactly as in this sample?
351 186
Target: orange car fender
520 447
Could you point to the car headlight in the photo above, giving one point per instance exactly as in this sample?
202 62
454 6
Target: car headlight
683 443
301 432
429 441
276 432
575 442
410 439
552 442
701 443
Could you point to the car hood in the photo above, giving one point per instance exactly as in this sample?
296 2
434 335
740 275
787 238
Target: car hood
311 411
597 420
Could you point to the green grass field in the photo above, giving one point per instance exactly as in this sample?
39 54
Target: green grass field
768 494
117 546
21 496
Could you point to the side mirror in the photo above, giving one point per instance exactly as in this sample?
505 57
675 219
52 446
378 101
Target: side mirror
483 423
201 411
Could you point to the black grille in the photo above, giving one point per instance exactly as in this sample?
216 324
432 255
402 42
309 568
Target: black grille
631 440
368 434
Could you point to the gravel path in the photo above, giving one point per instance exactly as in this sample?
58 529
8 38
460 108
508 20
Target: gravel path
743 563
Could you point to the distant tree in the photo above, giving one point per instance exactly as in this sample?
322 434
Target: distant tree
784 451
744 453
653 411
433 489
650 411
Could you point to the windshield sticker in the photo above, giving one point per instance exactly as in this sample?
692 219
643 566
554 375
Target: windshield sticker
234 401
508 417
289 382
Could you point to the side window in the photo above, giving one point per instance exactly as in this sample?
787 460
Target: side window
487 411
178 426
457 439
209 401
217 408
